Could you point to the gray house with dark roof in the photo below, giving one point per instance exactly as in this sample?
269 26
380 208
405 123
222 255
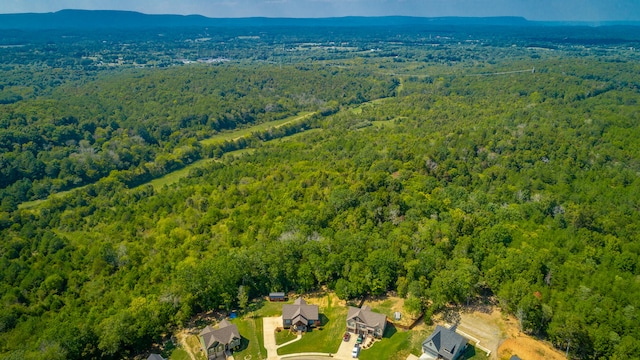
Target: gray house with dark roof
299 316
444 344
216 342
366 322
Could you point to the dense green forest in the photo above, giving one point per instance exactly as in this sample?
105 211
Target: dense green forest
480 170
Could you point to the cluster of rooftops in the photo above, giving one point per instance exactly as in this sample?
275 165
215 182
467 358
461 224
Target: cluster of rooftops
219 342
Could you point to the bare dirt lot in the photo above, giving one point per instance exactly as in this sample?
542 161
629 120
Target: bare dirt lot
498 333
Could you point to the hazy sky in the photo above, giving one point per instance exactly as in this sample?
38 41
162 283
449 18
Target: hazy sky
571 10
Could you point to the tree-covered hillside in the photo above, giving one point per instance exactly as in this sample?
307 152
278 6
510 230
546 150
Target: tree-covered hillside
463 180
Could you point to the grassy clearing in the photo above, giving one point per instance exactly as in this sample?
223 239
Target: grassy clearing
358 109
236 134
175 176
30 205
299 135
324 339
252 333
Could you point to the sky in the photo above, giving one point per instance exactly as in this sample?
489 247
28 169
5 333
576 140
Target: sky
544 10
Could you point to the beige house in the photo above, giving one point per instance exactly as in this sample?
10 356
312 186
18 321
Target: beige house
366 322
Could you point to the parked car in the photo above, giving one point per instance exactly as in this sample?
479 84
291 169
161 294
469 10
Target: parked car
360 339
346 336
356 351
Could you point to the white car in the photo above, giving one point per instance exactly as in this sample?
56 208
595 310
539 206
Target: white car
356 351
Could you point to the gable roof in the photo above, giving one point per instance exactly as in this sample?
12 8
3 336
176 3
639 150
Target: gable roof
445 341
155 357
300 310
366 316
224 334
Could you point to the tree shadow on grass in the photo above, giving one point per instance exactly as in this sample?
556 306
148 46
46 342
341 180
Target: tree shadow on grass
389 331
469 352
244 344
324 320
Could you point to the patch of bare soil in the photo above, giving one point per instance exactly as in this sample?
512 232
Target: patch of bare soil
525 346
528 348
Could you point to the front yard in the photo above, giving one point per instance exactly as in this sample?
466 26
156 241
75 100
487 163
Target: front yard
326 338
396 344
284 335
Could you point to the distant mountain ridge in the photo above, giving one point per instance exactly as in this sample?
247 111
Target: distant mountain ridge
104 19
115 19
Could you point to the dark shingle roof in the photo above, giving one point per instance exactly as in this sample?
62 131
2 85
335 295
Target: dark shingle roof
299 308
446 341
224 334
155 357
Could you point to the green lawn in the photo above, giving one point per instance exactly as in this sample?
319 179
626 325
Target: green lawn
396 344
265 308
252 334
179 354
325 339
284 336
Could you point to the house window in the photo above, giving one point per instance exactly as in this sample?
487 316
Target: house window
287 322
310 322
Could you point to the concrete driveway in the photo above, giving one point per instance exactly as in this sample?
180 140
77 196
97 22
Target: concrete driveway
344 352
269 325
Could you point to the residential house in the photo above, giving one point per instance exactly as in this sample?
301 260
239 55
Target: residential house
300 316
366 322
217 342
155 357
444 344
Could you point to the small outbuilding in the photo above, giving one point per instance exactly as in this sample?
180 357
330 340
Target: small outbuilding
277 296
155 357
